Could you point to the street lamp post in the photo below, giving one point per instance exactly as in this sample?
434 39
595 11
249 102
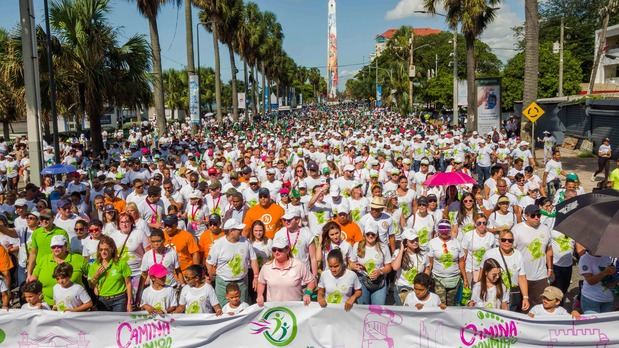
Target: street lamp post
456 116
198 61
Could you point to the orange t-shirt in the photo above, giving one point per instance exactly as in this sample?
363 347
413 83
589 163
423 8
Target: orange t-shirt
351 231
118 203
5 261
271 216
185 245
206 241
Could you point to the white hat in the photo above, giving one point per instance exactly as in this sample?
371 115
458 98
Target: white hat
475 133
195 194
407 161
233 224
292 213
409 234
21 202
395 171
271 171
253 179
358 159
373 162
279 243
425 161
523 143
58 240
349 168
334 191
343 208
374 173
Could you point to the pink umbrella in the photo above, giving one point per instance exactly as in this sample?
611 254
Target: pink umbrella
451 178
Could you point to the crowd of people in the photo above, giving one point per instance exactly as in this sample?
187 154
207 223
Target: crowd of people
328 205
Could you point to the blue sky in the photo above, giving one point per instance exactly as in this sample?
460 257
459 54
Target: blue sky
305 28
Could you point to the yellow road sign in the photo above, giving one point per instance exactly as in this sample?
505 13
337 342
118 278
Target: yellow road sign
533 112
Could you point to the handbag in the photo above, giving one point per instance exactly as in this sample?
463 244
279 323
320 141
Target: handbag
515 296
372 285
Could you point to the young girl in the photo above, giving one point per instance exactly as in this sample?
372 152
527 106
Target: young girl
338 285
110 219
68 296
260 243
490 292
332 239
199 296
33 295
197 214
408 261
158 298
421 297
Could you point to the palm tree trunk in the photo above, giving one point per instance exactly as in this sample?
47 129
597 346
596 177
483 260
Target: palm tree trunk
94 108
5 128
158 78
471 113
265 92
235 99
254 87
531 63
245 77
217 74
189 45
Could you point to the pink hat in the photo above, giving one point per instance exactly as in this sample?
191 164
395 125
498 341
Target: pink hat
158 271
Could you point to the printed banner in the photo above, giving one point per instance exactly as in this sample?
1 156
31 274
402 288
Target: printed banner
292 324
332 74
194 99
488 104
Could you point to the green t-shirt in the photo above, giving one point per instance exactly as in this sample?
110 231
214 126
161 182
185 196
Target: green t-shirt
112 282
41 240
614 177
44 271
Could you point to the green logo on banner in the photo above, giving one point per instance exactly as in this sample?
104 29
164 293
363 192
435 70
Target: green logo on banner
278 325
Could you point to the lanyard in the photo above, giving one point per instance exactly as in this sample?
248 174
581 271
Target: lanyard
218 200
292 246
194 212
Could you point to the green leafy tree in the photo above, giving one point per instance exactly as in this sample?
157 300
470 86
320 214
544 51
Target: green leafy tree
548 85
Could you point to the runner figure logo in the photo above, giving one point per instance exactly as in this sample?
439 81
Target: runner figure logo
278 325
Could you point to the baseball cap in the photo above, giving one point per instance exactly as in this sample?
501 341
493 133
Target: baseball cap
212 171
409 234
253 180
422 200
63 203
552 293
291 213
58 240
214 218
233 224
334 191
279 243
349 168
154 191
264 192
295 193
503 199
312 166
20 202
214 185
572 177
531 209
425 161
109 207
170 220
444 226
158 271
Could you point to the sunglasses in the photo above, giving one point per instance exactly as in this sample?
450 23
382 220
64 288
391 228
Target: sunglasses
468 201
507 240
370 234
536 215
479 223
94 229
57 246
79 229
138 187
32 218
278 250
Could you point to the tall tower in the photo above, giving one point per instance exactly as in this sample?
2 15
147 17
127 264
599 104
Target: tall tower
332 53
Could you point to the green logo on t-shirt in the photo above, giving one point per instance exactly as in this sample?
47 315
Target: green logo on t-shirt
335 297
236 266
447 260
535 248
193 308
410 275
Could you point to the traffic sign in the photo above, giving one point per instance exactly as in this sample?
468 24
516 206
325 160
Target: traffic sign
533 112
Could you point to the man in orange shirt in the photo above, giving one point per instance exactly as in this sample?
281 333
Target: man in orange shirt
350 229
209 236
267 212
110 197
183 242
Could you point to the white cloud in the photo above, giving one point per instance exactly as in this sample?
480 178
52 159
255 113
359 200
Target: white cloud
499 35
404 8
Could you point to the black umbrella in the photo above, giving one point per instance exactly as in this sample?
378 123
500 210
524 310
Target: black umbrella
592 221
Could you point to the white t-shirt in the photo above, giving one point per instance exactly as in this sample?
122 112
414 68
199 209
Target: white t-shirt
198 300
298 242
89 248
44 306
151 212
539 310
553 170
562 249
169 259
532 244
507 221
433 301
338 290
417 263
491 300
424 227
445 263
196 219
373 259
231 259
358 208
477 246
162 299
318 216
71 297
383 225
344 247
514 264
234 311
134 250
594 265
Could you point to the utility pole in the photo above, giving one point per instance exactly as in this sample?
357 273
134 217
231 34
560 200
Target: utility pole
456 115
561 59
31 81
411 71
52 85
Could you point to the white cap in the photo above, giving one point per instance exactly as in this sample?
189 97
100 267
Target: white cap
374 173
233 224
409 234
253 179
395 171
279 243
58 240
334 191
343 208
358 159
20 202
271 170
407 161
195 194
523 143
291 213
349 168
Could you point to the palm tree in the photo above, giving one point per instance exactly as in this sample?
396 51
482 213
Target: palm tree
12 91
474 16
211 12
256 34
101 71
232 11
150 10
175 88
531 62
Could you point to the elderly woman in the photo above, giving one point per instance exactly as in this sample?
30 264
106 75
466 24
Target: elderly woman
44 270
284 277
109 276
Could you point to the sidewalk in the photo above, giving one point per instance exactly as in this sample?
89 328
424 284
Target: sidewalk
583 167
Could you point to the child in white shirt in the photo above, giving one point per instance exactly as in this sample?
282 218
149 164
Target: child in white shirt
421 297
158 298
68 296
33 295
233 295
5 294
551 304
